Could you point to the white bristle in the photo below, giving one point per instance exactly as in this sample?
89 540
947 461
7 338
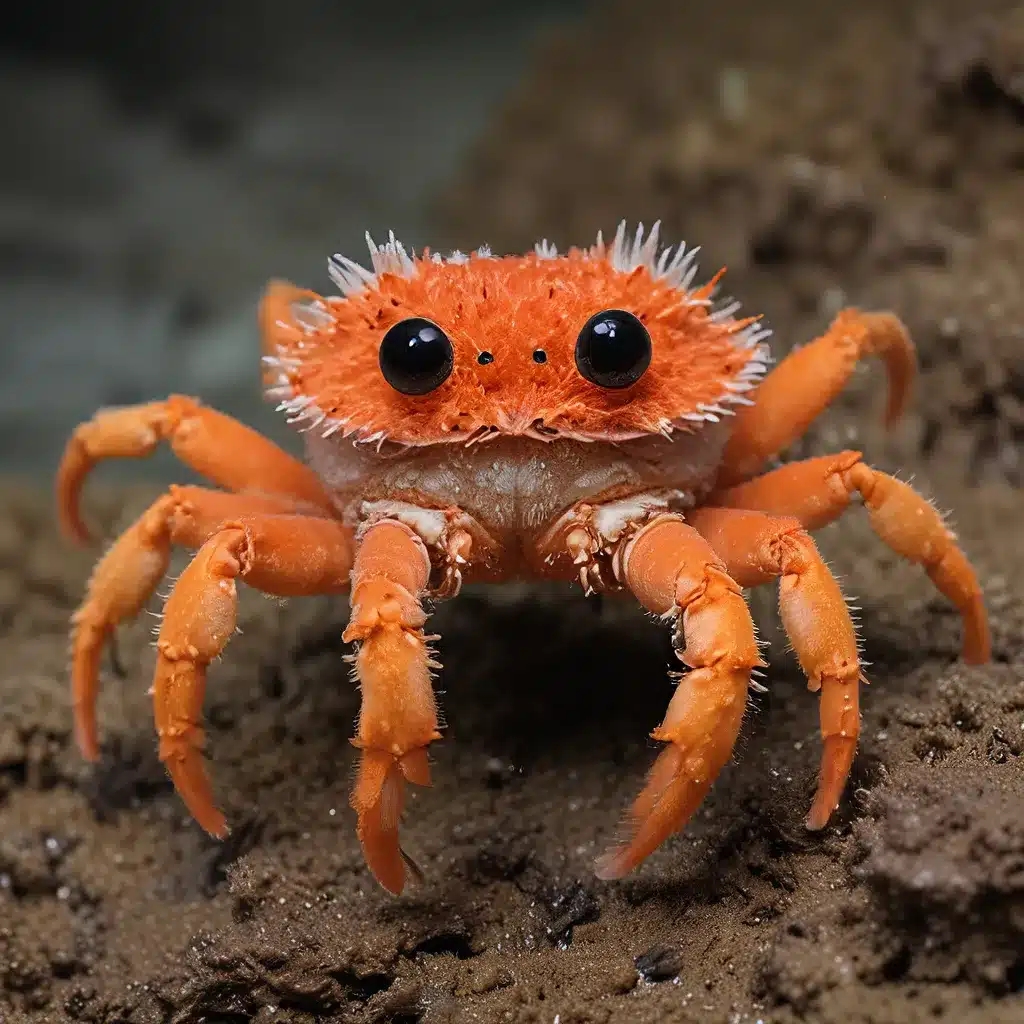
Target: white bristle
311 316
673 267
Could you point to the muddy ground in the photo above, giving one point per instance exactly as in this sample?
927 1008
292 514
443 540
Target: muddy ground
885 169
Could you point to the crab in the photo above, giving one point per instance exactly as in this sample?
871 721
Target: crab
592 416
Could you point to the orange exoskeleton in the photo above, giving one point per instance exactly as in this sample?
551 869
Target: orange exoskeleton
593 415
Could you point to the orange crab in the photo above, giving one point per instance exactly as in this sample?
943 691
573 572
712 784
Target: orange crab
590 416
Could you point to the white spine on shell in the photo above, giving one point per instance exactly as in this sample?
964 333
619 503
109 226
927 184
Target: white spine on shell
676 266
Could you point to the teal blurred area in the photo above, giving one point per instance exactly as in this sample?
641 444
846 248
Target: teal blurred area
164 160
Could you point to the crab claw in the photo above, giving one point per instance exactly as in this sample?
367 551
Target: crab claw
398 718
675 574
701 727
378 800
214 445
284 555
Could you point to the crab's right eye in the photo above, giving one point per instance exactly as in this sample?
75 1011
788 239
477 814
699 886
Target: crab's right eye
416 356
613 349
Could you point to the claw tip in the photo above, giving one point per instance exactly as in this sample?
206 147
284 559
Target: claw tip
609 866
817 819
74 531
219 830
88 746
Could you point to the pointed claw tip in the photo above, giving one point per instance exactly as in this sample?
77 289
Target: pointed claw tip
72 528
817 819
977 642
389 877
611 866
88 746
78 536
414 869
214 824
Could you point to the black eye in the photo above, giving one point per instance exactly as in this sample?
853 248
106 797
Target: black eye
613 349
416 356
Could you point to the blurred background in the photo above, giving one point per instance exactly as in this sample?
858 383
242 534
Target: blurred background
163 160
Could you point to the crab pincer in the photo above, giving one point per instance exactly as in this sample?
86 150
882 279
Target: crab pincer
393 663
674 573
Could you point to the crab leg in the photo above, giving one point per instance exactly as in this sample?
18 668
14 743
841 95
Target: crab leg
758 548
126 576
674 573
218 447
285 555
802 386
399 714
817 491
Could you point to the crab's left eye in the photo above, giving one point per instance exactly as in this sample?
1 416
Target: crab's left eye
613 349
416 356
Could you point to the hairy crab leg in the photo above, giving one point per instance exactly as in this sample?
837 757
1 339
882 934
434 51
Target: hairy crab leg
398 718
758 548
818 491
220 448
125 578
284 555
674 573
802 386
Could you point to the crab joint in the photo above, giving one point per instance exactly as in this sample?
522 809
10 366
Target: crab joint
581 545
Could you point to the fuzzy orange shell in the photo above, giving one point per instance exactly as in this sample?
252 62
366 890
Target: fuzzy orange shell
325 367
